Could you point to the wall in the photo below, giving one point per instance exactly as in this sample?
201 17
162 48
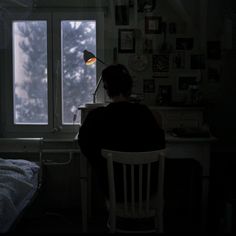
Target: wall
222 95
221 114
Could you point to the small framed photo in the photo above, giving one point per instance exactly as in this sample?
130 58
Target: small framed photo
186 80
178 60
148 46
153 24
146 5
149 86
184 43
160 63
126 41
165 94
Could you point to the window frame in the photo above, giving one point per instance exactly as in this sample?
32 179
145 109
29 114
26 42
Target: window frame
54 128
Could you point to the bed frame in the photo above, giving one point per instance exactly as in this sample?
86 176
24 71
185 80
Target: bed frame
23 146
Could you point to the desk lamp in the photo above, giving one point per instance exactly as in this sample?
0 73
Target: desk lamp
89 59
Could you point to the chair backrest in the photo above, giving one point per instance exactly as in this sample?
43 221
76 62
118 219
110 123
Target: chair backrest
136 173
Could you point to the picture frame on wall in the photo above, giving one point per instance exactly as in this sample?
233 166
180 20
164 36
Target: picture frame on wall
149 86
179 60
184 43
160 62
147 46
153 24
146 5
183 82
165 94
126 41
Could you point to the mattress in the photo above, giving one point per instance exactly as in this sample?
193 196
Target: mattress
18 184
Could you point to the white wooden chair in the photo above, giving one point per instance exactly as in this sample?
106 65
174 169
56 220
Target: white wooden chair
143 206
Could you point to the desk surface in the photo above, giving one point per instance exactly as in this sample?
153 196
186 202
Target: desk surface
20 139
170 138
187 107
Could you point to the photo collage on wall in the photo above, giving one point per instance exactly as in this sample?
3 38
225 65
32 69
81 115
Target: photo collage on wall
166 50
138 50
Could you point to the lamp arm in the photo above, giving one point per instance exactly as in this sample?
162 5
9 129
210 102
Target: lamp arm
99 81
95 91
101 61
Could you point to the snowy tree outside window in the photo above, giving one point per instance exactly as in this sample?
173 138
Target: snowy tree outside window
30 70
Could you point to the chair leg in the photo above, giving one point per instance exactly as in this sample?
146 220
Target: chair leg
161 224
84 205
158 221
111 223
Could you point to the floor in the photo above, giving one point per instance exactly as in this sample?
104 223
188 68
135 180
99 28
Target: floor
40 218
181 211
181 214
58 221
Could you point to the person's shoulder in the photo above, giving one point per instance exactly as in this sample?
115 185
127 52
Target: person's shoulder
128 106
99 109
141 106
96 112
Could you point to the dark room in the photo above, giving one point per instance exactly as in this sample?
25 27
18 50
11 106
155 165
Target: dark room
117 116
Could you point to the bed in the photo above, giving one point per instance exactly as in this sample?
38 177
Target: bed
19 183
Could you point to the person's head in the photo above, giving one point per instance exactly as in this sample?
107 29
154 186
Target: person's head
117 81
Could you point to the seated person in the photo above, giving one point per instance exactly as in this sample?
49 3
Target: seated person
121 125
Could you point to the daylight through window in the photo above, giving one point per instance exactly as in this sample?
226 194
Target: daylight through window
31 90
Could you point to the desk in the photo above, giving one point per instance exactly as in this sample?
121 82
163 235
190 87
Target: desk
198 149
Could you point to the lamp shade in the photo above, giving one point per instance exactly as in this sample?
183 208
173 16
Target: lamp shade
89 57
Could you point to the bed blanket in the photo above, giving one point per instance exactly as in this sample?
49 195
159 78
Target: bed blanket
17 183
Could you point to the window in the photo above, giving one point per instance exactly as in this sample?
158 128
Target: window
49 77
76 88
30 72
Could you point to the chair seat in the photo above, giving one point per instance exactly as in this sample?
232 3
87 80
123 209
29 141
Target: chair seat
126 225
138 214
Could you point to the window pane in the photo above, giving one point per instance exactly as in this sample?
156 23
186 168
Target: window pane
30 72
78 80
